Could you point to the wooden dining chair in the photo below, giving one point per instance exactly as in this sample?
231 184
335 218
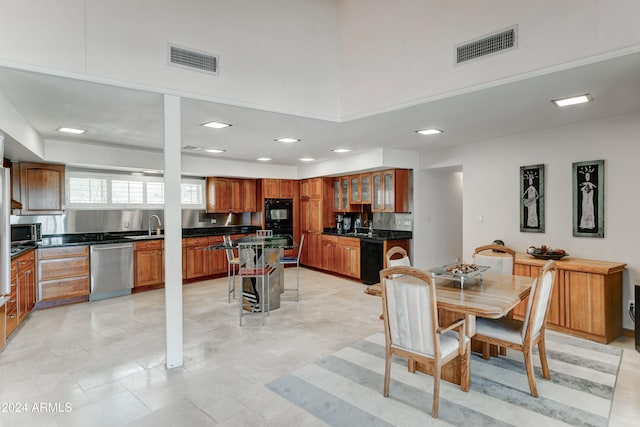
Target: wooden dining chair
500 258
397 256
524 335
412 330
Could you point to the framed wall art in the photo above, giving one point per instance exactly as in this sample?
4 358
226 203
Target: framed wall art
588 198
532 198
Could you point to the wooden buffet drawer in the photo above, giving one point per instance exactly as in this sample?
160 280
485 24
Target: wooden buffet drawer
63 252
50 269
148 244
64 288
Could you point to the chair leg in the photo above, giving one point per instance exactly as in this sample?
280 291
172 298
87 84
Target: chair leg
485 351
543 358
411 366
528 363
229 282
503 351
297 283
387 373
436 390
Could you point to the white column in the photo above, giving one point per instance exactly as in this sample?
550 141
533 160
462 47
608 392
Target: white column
172 232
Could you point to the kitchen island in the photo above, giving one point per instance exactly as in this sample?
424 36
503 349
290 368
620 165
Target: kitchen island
274 248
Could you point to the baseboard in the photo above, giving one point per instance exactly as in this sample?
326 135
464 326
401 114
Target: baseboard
628 333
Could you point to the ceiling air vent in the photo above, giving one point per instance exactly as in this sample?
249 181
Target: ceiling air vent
486 45
193 59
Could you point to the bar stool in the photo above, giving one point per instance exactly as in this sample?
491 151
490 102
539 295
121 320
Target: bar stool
253 266
294 260
232 261
264 233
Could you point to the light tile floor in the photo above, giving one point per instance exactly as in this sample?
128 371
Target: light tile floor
105 359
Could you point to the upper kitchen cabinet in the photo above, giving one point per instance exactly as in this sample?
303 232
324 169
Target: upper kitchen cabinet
277 188
249 195
233 195
41 188
360 189
390 191
342 195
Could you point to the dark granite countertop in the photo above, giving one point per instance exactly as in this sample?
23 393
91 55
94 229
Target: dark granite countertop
376 235
18 250
75 239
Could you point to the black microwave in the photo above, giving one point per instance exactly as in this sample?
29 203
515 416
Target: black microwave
24 233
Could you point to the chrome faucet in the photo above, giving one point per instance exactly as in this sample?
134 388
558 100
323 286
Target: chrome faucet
159 223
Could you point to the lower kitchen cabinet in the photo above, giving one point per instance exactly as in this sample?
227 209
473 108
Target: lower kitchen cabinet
11 310
26 283
63 273
217 258
197 257
148 263
330 253
587 298
349 256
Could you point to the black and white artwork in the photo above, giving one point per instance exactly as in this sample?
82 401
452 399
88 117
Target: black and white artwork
588 199
532 198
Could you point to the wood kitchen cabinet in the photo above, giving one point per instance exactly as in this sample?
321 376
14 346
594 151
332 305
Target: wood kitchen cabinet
11 306
348 254
330 258
217 257
249 198
148 263
586 300
390 191
342 194
197 257
273 188
63 273
230 195
41 188
315 212
26 283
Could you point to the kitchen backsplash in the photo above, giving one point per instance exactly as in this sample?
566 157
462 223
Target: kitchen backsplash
88 221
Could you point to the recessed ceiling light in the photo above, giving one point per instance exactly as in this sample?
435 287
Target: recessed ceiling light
216 125
263 159
340 150
214 151
288 140
71 130
565 102
306 159
431 131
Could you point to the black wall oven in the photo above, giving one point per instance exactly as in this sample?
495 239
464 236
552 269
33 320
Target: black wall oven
278 215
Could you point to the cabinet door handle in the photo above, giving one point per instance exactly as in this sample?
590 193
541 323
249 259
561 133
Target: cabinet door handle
12 316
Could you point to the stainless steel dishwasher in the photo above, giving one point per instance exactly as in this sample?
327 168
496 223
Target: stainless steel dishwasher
111 270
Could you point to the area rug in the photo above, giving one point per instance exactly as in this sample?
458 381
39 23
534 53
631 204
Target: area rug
345 388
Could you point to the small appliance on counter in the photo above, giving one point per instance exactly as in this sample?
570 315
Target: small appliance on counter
26 233
339 223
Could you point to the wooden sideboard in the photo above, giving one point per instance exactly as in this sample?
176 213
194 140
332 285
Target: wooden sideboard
587 298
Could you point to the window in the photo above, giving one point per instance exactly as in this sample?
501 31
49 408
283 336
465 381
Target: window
126 192
89 190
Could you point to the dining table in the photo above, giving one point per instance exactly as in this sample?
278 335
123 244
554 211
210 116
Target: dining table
492 296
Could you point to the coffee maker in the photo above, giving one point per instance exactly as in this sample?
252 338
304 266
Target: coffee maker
346 224
339 222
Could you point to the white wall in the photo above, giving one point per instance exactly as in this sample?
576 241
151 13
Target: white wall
279 55
491 191
437 222
403 51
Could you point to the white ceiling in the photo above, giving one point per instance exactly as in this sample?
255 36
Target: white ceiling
122 116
